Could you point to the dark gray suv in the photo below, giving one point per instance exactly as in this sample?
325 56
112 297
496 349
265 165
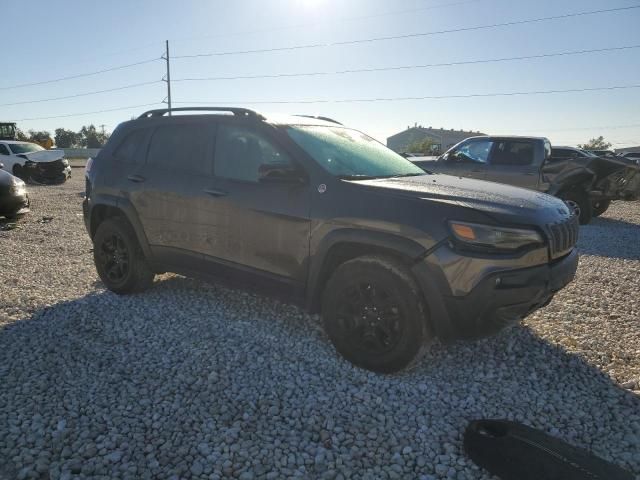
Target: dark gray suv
324 216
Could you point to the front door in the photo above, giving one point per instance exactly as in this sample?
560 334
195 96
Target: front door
469 159
264 228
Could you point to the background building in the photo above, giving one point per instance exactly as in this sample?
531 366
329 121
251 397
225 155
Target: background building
442 138
624 150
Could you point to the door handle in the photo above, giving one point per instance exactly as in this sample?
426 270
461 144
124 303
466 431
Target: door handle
215 193
136 178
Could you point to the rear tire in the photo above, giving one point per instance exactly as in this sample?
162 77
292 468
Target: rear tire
600 206
579 202
374 314
119 259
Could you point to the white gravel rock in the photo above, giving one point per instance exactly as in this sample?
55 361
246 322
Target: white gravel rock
191 380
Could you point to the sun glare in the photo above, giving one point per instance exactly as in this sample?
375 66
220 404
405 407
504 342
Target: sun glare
310 3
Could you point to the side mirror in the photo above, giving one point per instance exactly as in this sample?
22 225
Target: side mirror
279 173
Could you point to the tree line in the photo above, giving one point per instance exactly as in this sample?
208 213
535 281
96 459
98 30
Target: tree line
87 137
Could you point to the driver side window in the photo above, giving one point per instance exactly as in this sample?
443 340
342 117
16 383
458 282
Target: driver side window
474 151
241 151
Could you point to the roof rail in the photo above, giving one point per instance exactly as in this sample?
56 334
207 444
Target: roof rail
318 117
238 112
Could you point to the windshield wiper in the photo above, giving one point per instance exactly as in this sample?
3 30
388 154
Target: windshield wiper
357 177
374 177
408 175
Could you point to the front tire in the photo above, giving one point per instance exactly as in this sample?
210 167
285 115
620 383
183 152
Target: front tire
374 314
580 203
600 206
119 259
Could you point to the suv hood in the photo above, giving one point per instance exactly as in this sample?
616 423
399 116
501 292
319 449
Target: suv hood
44 156
488 197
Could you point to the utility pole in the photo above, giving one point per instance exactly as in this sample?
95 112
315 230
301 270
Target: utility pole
167 77
102 127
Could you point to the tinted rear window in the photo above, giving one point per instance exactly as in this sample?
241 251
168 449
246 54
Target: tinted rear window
180 147
513 153
132 149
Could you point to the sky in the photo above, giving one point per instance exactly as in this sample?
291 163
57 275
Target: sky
49 40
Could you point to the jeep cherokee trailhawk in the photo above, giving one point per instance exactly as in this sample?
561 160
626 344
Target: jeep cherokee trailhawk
323 215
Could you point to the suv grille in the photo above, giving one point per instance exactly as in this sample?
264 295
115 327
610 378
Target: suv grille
563 236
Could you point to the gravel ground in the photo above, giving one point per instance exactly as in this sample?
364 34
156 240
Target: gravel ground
191 380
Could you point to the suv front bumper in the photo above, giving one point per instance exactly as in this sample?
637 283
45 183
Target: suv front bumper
498 299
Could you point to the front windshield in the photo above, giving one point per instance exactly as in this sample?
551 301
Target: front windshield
349 154
25 148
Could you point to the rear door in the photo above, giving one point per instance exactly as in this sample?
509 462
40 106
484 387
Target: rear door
512 161
126 162
264 228
171 204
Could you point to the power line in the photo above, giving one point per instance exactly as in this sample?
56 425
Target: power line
263 30
333 21
81 75
85 94
430 97
406 67
411 35
595 127
79 114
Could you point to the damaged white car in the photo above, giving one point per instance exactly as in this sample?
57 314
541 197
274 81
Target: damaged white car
33 163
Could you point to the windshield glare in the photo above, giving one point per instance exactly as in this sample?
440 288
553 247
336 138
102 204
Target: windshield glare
347 153
25 148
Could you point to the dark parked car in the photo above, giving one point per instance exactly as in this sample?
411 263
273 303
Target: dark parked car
14 200
321 214
602 153
631 155
588 183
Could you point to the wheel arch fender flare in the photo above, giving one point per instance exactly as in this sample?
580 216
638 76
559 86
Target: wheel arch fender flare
105 206
343 244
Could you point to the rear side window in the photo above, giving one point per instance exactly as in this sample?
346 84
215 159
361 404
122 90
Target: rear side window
180 147
132 149
240 152
512 153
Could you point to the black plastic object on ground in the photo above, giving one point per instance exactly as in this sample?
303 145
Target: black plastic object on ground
513 451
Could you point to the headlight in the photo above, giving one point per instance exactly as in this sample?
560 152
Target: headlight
491 237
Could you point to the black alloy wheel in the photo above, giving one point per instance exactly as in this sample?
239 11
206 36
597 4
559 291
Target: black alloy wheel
375 314
114 257
119 260
370 317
